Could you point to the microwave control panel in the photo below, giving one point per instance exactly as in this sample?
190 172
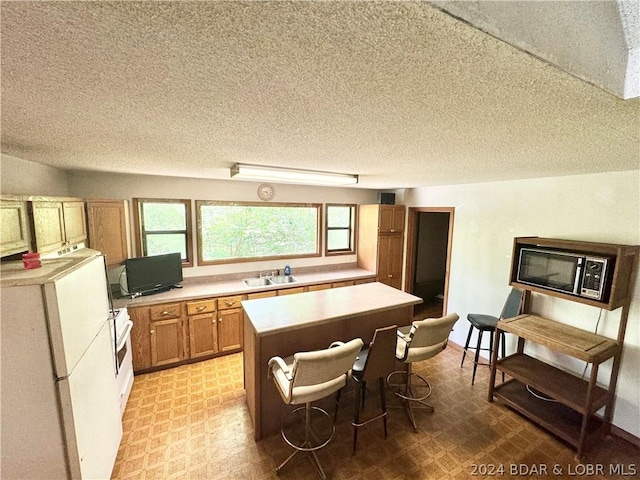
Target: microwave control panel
593 279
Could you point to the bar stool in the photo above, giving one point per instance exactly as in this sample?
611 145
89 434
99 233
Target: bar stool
306 377
487 323
423 340
374 363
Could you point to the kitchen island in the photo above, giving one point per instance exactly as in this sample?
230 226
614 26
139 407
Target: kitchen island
282 326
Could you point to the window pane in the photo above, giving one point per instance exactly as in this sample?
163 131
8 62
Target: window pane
164 216
158 244
338 217
338 240
249 231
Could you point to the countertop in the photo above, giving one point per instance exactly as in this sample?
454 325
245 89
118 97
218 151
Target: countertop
291 312
193 289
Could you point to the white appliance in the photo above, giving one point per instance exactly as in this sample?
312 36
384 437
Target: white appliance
124 359
60 414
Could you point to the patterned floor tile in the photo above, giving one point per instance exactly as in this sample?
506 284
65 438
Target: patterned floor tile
191 422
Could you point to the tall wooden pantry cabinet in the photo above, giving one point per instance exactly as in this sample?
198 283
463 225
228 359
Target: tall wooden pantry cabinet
381 241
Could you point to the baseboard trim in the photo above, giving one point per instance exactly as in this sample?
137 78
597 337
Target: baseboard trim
624 435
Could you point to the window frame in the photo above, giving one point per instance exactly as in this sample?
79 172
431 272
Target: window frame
139 225
319 223
352 230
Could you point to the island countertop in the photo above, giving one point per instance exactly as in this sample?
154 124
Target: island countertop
277 314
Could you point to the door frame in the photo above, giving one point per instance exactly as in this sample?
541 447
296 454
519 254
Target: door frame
412 222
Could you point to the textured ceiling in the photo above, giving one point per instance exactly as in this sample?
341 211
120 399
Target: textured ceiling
401 93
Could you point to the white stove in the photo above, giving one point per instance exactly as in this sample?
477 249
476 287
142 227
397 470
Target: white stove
123 357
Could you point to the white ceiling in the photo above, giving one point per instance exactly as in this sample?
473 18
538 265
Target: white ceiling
402 93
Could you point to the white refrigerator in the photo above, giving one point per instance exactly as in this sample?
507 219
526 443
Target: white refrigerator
60 414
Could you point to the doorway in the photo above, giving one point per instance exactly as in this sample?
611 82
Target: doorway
429 234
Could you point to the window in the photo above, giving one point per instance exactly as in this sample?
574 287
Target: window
340 229
237 232
164 226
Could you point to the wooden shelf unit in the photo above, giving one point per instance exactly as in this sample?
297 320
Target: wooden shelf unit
572 402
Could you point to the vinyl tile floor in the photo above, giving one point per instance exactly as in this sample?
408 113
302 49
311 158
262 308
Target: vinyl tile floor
191 422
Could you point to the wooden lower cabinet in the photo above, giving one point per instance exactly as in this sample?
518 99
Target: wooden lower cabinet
168 334
203 335
230 326
167 342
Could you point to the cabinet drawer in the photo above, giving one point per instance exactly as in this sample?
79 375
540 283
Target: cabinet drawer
201 306
168 310
229 302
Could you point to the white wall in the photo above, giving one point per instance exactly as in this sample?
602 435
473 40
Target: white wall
601 208
21 177
118 186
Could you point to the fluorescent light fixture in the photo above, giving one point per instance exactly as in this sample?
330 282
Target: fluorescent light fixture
290 175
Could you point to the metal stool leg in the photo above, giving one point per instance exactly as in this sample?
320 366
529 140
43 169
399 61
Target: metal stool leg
466 345
308 445
476 358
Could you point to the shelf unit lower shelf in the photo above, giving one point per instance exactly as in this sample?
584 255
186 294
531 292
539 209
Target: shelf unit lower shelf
555 417
555 383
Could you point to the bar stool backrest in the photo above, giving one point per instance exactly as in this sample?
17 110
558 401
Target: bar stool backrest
427 338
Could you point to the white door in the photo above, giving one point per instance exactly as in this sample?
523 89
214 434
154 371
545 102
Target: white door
78 306
91 411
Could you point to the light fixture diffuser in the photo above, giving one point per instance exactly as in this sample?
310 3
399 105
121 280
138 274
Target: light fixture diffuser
290 175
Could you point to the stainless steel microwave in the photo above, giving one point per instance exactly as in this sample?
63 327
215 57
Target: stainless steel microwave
572 273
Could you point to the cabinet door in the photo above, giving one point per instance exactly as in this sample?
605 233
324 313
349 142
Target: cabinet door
391 219
230 329
140 338
390 260
48 223
14 227
75 222
203 335
107 229
166 341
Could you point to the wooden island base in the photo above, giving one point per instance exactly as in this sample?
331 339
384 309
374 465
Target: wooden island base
282 326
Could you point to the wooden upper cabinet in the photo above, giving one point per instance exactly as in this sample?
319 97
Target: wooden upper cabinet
391 219
108 232
14 226
57 223
75 222
48 226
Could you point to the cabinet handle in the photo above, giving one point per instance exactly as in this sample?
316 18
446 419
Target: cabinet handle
200 308
165 312
392 230
229 304
389 276
220 319
213 320
153 331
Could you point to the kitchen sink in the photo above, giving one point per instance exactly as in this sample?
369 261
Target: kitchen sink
280 279
257 282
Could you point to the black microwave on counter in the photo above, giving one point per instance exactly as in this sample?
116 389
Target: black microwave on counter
579 274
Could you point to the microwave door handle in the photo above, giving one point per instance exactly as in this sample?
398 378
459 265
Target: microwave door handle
579 276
